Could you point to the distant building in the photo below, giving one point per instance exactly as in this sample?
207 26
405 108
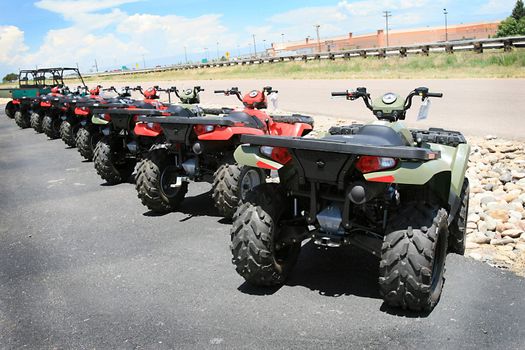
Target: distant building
395 38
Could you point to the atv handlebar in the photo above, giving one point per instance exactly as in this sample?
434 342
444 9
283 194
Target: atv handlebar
362 93
233 91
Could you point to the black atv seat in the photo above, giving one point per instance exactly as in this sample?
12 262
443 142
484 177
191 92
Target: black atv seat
372 135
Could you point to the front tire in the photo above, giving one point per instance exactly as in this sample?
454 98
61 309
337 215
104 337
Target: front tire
22 120
36 122
86 142
110 162
50 127
154 183
411 271
258 255
67 133
231 184
458 226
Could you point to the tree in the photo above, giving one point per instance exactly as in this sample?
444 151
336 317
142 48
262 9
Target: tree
10 78
519 10
514 24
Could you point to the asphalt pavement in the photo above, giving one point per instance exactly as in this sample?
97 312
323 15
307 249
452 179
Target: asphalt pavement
85 265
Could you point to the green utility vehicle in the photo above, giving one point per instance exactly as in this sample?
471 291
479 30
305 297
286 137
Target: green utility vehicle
32 86
397 193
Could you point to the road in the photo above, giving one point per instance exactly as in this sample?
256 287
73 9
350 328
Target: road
85 265
476 107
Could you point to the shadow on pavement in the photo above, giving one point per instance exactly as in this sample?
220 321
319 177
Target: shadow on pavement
334 273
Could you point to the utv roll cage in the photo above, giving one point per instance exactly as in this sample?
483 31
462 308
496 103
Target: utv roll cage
44 77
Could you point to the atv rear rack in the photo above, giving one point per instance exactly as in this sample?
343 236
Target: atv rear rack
187 120
335 146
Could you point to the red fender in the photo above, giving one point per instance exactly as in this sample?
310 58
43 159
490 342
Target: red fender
142 129
83 111
286 129
45 104
16 102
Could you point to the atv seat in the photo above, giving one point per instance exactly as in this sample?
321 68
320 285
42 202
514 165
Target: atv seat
372 135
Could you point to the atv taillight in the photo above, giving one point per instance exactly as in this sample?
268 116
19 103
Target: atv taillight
368 164
278 154
203 129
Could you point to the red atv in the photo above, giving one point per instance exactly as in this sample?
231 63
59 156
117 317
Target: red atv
70 124
200 148
90 133
52 107
118 150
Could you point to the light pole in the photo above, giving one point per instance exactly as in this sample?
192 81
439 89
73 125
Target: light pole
217 50
387 14
445 12
185 54
317 26
282 38
254 46
265 47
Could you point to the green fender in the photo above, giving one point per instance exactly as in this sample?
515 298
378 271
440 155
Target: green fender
251 156
453 160
98 121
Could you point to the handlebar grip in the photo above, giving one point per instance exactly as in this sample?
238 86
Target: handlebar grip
219 91
435 94
340 93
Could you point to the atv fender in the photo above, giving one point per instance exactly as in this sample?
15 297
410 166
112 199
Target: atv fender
98 121
222 133
287 129
251 156
453 160
142 129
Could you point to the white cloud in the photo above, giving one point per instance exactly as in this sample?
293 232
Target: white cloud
492 7
69 8
11 45
100 30
371 7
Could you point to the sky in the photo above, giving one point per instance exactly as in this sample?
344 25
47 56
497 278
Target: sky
108 34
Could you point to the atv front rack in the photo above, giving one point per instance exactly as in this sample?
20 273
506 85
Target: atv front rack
336 146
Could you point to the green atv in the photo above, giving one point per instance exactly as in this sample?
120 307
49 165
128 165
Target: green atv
397 193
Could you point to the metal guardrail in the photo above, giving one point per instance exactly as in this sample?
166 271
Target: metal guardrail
476 45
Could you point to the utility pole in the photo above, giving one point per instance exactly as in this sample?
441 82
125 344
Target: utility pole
217 50
387 14
254 46
318 38
282 38
185 54
143 62
445 12
96 65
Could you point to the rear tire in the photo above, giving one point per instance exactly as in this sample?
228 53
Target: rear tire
254 233
67 134
109 162
22 120
86 142
411 271
50 127
458 227
36 122
10 110
149 184
231 183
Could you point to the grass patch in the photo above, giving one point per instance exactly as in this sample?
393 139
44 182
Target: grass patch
491 64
